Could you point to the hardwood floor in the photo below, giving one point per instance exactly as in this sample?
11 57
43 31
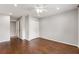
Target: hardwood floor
40 45
36 46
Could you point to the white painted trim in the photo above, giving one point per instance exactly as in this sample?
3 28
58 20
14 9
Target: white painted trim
78 46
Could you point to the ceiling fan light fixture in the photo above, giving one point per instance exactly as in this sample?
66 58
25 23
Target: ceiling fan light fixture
40 9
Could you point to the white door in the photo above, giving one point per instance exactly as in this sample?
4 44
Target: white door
33 28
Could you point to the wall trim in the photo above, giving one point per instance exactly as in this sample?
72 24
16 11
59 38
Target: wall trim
60 41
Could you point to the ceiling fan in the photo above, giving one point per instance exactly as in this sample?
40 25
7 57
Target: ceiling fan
40 8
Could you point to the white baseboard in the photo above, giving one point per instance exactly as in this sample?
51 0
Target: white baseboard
78 46
61 42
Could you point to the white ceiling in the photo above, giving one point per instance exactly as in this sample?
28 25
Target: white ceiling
28 9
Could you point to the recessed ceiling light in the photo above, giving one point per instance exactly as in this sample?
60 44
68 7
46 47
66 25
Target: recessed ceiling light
58 8
15 5
10 13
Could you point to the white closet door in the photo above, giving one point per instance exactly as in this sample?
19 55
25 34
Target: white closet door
33 28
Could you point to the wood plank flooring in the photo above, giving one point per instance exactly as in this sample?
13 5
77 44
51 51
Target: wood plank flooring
36 46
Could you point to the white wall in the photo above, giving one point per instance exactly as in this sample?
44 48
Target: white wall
4 28
13 19
61 27
29 27
33 28
22 28
12 28
18 28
